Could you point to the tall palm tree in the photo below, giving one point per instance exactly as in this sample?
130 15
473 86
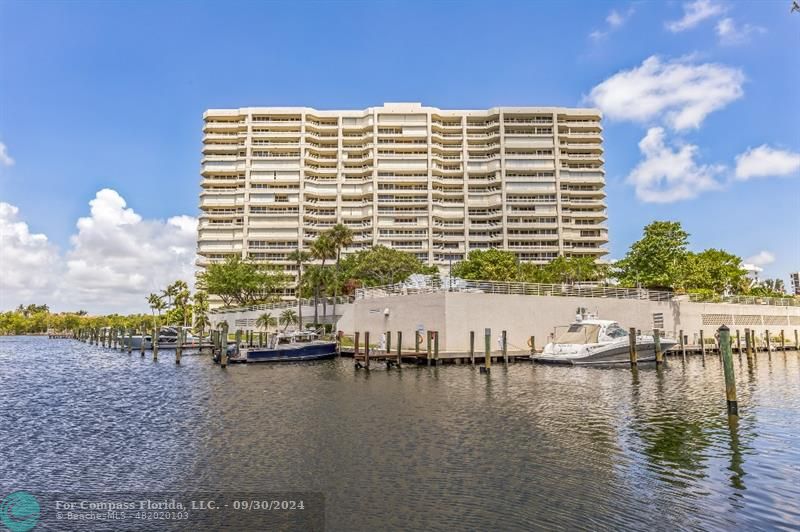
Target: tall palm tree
322 249
288 317
156 305
266 320
200 311
300 258
342 237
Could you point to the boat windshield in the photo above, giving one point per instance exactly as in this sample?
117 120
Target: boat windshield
578 333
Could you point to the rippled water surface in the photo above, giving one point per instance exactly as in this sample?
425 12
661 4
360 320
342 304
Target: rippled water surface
423 448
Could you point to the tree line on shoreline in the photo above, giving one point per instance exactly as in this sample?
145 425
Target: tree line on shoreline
660 260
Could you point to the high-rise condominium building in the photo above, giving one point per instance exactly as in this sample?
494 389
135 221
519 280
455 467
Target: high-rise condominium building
432 182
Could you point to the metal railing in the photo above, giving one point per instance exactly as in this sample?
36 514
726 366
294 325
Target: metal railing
280 305
514 288
746 300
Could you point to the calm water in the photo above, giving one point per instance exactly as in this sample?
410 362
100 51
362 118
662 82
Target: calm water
425 448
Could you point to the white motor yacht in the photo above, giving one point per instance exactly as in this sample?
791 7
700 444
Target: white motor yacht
589 340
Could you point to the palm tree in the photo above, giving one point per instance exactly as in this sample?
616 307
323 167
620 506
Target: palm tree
288 317
342 237
200 311
322 249
156 305
300 258
265 321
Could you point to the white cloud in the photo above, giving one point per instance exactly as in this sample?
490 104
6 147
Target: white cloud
5 158
615 20
731 34
669 174
29 263
694 13
760 259
678 92
114 260
764 161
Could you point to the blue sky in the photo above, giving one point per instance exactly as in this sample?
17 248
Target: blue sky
97 95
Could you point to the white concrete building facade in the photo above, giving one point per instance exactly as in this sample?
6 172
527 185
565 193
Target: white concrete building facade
432 182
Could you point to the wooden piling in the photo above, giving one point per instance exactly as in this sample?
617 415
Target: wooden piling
155 343
223 345
179 346
504 344
748 344
366 349
657 347
796 342
487 337
683 343
428 346
632 346
702 343
727 363
532 344
769 342
435 348
417 341
738 343
130 340
141 343
783 341
472 347
238 339
356 338
399 348
388 343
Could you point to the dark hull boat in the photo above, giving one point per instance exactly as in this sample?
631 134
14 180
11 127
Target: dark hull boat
315 350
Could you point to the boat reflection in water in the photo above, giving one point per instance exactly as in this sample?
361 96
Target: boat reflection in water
589 340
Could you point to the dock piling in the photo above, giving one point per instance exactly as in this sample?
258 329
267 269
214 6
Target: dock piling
435 348
155 343
356 338
796 342
657 341
727 363
472 347
783 341
141 343
702 343
769 342
632 346
748 345
504 344
223 345
399 349
428 346
487 334
682 341
738 343
532 345
179 346
366 350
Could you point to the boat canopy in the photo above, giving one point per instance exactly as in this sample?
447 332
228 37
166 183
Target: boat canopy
579 333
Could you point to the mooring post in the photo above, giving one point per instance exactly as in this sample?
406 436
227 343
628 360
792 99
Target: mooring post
179 346
223 345
657 347
738 343
436 348
155 343
683 343
769 341
388 343
130 340
504 343
472 347
748 345
487 346
783 341
417 341
727 363
399 348
141 342
632 346
702 343
532 344
215 352
238 339
796 342
366 349
429 347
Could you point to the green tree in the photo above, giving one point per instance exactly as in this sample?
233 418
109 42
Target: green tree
381 266
322 249
342 237
300 258
488 265
288 317
658 259
266 320
714 269
244 282
156 306
200 311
